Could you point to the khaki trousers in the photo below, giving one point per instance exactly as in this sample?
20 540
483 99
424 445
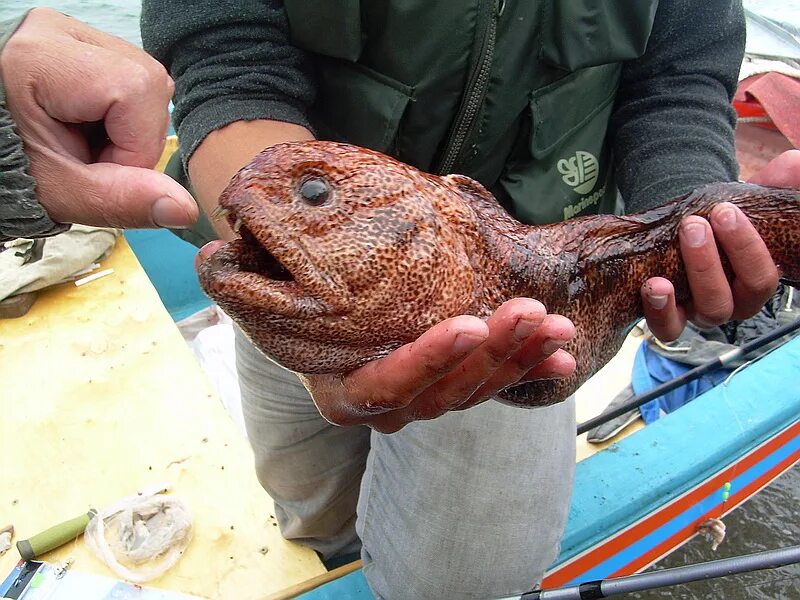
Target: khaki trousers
470 505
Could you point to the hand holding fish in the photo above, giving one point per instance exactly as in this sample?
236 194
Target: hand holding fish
455 365
715 300
92 111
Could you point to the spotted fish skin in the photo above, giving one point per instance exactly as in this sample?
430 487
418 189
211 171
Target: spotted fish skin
327 284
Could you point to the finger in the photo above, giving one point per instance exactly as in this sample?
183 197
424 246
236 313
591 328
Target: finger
664 317
711 293
394 381
560 364
110 195
555 332
391 422
206 251
755 271
510 326
782 171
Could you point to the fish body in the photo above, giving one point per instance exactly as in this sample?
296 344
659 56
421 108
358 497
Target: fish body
346 254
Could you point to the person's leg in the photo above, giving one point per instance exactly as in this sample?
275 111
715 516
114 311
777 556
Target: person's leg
311 468
470 505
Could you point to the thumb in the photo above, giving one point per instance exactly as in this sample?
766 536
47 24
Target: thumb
110 195
783 171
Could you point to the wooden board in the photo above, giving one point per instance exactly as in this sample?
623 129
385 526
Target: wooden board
100 396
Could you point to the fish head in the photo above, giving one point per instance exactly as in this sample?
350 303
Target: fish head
342 255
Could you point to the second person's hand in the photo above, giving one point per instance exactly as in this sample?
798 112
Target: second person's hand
92 112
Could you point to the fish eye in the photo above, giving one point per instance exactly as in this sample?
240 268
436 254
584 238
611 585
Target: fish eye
315 191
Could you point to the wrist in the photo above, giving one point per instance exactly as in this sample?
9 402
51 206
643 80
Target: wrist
21 214
223 152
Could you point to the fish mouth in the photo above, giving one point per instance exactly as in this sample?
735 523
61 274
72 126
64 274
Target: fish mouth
255 258
264 272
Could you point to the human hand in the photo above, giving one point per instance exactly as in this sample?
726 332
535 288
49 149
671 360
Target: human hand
92 111
715 300
454 365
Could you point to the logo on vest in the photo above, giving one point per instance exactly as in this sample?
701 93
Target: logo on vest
580 171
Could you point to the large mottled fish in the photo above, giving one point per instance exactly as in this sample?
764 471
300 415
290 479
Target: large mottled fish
345 254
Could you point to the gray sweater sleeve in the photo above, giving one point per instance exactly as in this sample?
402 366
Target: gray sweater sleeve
231 61
21 215
673 124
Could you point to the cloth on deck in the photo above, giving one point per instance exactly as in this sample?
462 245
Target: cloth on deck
779 96
62 256
656 363
651 370
772 31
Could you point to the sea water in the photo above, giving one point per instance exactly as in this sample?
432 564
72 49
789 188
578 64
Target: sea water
770 520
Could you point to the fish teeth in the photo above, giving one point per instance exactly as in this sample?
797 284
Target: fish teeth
219 213
237 225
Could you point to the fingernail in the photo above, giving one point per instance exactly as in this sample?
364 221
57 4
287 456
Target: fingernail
524 328
657 302
694 234
466 342
725 217
551 345
168 212
210 248
549 374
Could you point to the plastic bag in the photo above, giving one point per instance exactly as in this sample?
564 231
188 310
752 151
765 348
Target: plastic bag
141 537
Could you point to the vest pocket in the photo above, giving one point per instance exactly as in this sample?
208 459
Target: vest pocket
568 169
586 33
364 103
331 28
579 101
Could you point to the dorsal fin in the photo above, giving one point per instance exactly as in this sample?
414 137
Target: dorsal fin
469 187
481 200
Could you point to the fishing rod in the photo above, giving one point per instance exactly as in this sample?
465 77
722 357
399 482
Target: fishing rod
605 588
723 360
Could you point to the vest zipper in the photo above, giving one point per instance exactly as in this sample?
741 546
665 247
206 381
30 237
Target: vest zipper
474 93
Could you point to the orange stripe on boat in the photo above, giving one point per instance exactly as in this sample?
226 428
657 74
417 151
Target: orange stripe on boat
598 554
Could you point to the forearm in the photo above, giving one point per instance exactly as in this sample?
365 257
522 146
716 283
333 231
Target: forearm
230 62
673 125
224 151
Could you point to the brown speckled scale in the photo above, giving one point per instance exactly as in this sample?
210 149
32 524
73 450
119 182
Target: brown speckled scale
392 251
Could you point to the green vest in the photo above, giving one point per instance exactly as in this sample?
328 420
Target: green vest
514 93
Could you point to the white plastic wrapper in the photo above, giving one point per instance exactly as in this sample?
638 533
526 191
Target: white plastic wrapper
209 333
141 536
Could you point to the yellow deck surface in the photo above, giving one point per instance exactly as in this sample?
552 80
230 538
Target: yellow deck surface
595 394
99 396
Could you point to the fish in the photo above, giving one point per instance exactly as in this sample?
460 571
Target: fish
344 254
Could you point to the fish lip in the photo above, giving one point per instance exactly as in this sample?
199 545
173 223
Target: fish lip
310 291
223 276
